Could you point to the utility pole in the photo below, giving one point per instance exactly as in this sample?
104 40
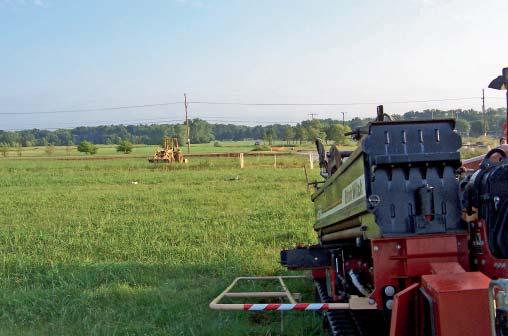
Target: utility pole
187 122
312 115
343 120
484 114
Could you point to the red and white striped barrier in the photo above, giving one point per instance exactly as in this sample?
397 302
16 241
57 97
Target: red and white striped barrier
285 293
285 306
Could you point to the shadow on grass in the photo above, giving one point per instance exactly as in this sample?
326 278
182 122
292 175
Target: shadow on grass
129 299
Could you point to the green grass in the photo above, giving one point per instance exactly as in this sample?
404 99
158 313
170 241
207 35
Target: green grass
141 150
83 250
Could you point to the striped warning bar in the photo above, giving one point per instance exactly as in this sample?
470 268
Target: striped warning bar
285 306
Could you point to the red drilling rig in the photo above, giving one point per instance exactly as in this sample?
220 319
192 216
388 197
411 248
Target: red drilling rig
411 240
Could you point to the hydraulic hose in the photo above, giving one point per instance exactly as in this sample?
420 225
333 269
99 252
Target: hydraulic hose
358 285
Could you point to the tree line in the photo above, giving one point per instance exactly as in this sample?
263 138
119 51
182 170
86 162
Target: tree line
468 122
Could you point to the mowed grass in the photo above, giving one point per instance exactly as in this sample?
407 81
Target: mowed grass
85 251
143 150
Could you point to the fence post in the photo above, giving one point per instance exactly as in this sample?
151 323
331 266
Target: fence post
241 160
311 161
275 161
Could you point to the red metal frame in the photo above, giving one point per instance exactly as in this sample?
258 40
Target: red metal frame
400 262
460 303
405 312
482 258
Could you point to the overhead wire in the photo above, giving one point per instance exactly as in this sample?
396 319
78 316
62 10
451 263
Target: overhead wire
332 104
109 108
164 121
95 109
214 118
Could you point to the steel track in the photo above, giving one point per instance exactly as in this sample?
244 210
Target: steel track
346 322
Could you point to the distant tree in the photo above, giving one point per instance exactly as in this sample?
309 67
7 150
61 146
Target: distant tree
61 137
269 136
87 147
200 131
203 132
462 127
357 122
49 150
336 132
4 149
495 120
19 149
289 134
125 147
476 128
9 138
313 133
300 133
314 129
27 138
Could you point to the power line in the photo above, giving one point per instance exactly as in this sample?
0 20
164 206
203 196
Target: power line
105 123
92 109
109 108
335 104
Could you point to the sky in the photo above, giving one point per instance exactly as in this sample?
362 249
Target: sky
87 55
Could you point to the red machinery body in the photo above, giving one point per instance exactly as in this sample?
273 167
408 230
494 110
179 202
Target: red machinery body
411 240
458 302
430 274
423 235
401 262
482 258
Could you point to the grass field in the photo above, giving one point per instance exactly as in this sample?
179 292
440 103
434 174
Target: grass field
85 251
140 150
245 146
121 247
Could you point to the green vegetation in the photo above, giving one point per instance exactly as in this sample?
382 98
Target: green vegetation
124 247
124 147
87 147
49 150
85 250
260 148
4 149
139 150
469 123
